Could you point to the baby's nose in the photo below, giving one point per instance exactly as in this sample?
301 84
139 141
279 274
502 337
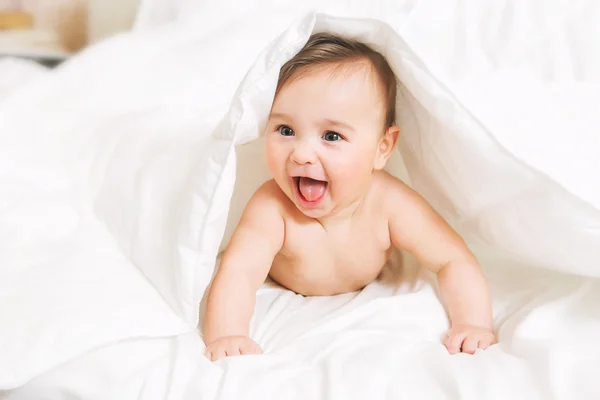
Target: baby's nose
303 153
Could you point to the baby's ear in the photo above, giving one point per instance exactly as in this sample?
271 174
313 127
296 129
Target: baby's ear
387 143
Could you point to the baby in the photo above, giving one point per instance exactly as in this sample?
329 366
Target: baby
328 220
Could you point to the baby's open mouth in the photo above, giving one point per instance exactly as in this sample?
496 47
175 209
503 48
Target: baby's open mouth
311 190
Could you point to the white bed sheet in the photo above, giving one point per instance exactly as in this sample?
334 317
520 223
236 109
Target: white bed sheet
378 343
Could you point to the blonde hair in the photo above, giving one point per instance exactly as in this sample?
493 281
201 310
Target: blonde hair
329 49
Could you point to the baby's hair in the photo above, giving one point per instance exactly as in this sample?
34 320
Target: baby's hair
330 49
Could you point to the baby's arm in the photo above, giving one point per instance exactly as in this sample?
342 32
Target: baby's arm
416 228
244 267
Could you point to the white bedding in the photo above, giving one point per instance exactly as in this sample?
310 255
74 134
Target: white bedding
372 344
117 180
16 73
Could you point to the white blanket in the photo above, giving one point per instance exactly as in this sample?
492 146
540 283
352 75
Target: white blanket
116 181
16 73
371 344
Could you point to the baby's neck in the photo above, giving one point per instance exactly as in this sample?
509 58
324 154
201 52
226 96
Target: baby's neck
343 215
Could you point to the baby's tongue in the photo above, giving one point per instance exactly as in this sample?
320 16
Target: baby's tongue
312 189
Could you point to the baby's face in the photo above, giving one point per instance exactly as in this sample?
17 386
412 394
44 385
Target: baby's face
323 137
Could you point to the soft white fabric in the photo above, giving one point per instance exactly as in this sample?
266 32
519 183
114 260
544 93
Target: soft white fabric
16 73
117 170
98 164
64 285
484 175
153 13
373 344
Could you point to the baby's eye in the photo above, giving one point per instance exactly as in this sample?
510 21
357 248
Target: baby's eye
332 136
285 130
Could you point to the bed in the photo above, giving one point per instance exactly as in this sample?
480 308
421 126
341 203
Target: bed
124 171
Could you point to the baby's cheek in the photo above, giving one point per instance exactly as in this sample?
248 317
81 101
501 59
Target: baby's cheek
273 156
359 165
354 173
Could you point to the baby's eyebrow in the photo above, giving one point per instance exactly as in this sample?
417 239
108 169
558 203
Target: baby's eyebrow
339 124
330 122
279 115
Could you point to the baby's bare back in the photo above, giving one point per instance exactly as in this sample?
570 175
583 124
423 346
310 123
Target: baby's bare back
344 256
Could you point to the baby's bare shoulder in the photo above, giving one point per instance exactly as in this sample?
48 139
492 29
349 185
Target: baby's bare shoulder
263 215
394 196
266 200
391 190
271 194
268 195
269 190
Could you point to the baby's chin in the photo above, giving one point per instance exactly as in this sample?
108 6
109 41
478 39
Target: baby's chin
310 212
313 213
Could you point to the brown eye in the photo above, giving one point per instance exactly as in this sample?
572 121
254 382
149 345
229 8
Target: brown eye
285 130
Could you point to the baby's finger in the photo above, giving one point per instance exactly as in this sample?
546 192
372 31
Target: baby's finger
484 343
454 342
446 338
218 354
470 345
232 351
250 348
257 349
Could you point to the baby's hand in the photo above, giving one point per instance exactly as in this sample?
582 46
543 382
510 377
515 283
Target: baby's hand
231 346
468 339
